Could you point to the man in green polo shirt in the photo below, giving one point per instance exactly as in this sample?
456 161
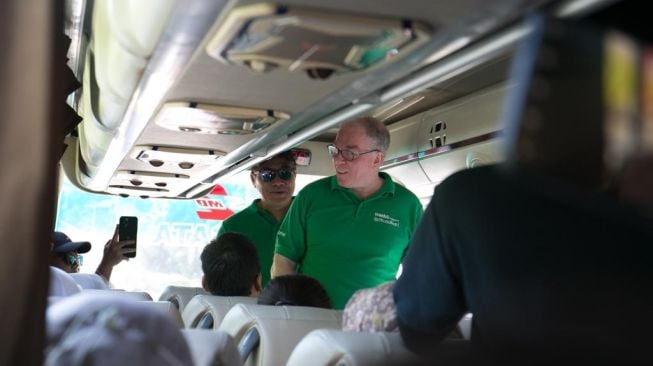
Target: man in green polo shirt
349 231
275 180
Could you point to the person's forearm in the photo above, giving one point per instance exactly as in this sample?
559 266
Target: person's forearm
104 270
282 266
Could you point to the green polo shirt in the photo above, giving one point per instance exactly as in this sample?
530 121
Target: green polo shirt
261 228
345 243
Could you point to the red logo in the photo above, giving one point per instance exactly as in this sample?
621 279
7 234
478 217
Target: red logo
215 210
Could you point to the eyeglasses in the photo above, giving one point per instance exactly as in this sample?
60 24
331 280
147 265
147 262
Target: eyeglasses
268 175
346 154
73 258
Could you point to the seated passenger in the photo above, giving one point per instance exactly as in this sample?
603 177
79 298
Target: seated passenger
231 266
66 254
296 290
371 310
552 268
94 329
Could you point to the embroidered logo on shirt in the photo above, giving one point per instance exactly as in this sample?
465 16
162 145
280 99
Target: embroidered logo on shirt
281 233
386 219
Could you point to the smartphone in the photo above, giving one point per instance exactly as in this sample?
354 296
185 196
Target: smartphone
128 230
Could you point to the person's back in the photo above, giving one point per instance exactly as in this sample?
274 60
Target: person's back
542 265
552 266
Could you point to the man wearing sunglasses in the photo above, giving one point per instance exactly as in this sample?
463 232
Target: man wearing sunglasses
275 180
67 254
349 231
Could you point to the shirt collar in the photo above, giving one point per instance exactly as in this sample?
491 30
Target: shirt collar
387 189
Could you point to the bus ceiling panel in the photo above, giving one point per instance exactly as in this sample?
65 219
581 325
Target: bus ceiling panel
307 52
147 179
224 82
208 126
399 78
181 69
319 43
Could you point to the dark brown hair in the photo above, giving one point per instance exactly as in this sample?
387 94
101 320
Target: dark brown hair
297 289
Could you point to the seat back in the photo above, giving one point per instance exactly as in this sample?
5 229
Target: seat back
181 295
169 309
211 347
216 307
136 295
279 329
335 347
89 281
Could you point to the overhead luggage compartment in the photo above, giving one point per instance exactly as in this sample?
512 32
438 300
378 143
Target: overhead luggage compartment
428 147
214 119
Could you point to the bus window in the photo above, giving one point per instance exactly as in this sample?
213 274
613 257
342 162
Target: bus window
171 233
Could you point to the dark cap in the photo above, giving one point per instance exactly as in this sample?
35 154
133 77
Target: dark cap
63 244
285 155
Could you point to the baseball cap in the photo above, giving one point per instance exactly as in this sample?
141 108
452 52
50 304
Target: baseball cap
63 244
285 155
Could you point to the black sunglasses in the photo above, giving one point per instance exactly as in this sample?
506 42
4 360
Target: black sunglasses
267 175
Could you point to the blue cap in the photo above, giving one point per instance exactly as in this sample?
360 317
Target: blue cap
63 244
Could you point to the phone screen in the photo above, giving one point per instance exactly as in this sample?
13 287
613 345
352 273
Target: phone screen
128 230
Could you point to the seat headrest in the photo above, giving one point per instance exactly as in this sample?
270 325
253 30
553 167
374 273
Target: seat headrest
336 347
216 306
134 295
167 308
181 295
293 322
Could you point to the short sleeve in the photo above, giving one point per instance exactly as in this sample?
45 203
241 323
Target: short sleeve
291 237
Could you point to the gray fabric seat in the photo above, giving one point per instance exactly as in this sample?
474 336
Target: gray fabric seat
181 295
211 347
336 347
279 329
215 307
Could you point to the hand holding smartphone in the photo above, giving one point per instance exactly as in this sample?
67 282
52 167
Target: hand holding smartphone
128 230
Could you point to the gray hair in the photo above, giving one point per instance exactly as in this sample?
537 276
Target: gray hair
375 130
